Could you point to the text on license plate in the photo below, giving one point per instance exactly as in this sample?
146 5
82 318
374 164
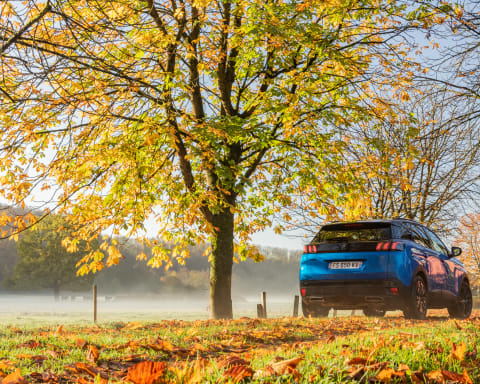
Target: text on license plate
345 265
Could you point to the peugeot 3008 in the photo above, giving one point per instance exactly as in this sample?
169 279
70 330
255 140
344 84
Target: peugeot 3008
381 265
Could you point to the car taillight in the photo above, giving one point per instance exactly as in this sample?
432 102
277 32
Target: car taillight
303 291
390 246
310 248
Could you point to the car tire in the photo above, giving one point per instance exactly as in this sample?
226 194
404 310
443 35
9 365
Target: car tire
310 310
462 308
372 312
416 306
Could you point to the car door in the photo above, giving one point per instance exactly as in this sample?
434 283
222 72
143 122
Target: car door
448 265
433 264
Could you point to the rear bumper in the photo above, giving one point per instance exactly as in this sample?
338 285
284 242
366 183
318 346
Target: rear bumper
385 294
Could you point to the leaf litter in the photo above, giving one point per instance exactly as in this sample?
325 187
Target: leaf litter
287 350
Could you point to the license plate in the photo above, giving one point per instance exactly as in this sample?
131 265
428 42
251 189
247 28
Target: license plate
345 265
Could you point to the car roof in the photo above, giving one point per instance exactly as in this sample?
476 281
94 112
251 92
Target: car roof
393 220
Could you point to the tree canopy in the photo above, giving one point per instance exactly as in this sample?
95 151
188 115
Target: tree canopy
203 116
44 263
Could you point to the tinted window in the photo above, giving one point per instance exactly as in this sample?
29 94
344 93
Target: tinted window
419 236
437 244
351 232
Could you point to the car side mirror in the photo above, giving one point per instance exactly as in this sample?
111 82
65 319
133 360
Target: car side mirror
456 251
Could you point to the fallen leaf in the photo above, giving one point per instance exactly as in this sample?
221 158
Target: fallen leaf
14 378
90 370
146 372
60 330
385 375
452 376
357 361
458 351
435 376
357 374
237 373
191 374
133 325
230 361
52 354
466 377
286 366
5 364
92 354
80 343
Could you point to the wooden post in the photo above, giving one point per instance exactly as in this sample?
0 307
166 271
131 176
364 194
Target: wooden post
295 306
259 311
264 304
94 303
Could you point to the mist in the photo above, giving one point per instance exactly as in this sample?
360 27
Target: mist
133 291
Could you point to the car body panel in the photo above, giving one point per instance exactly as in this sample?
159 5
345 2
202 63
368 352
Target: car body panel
385 276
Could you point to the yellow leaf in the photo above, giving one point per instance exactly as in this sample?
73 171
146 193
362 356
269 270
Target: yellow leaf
458 351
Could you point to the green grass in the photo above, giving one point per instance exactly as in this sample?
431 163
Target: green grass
326 348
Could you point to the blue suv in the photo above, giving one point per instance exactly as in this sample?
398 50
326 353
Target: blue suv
381 265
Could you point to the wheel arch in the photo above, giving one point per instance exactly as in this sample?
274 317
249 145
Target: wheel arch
420 271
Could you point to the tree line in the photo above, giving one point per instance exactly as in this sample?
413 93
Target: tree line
39 262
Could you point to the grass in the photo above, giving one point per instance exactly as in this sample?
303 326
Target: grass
281 350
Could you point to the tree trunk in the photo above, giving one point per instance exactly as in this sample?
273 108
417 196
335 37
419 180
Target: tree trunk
221 266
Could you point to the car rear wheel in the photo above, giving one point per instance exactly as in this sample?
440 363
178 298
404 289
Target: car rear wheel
314 310
372 312
462 308
416 307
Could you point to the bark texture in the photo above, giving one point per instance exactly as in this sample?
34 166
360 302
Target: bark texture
221 266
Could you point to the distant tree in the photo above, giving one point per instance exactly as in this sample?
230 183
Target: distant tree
8 258
44 262
424 166
469 240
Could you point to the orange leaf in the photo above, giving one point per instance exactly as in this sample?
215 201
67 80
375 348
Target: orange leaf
452 376
435 376
60 330
466 377
286 366
80 343
133 325
92 354
458 351
357 361
146 372
14 378
385 375
230 361
237 373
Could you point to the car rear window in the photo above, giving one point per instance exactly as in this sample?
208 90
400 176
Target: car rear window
352 232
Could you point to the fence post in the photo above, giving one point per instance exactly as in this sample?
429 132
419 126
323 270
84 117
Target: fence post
264 304
259 311
94 303
295 306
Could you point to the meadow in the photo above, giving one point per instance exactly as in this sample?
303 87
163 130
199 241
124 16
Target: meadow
354 349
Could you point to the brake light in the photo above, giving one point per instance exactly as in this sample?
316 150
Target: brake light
394 291
310 248
303 291
390 246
